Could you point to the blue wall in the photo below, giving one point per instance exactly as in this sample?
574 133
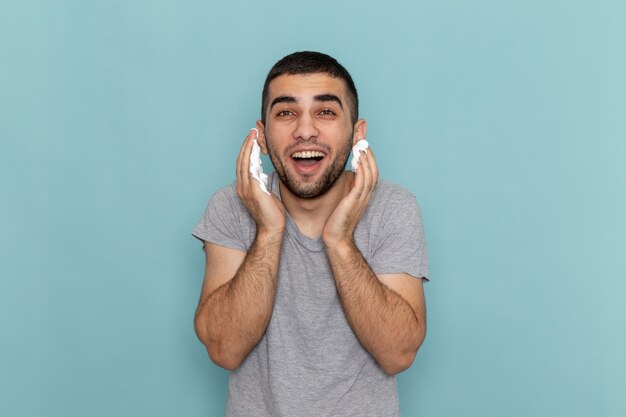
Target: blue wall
118 119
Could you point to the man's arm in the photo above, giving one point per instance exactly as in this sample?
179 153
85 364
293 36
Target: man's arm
387 313
239 288
237 298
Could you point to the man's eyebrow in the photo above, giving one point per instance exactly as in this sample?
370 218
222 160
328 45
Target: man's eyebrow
283 99
329 97
319 97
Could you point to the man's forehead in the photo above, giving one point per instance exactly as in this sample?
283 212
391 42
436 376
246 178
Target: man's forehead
303 85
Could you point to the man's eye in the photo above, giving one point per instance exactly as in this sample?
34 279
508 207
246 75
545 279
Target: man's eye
284 113
327 112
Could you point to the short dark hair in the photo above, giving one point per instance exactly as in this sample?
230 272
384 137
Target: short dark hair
308 62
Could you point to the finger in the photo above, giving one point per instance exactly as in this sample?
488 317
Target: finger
367 178
239 168
371 157
243 164
243 148
359 179
247 179
374 166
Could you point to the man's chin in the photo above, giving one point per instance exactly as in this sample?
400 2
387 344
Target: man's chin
306 192
308 187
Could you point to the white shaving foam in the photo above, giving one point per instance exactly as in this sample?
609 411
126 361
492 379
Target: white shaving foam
256 168
361 146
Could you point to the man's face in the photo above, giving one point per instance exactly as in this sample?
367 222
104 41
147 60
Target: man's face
308 131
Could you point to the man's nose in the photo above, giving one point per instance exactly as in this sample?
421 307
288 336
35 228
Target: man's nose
306 128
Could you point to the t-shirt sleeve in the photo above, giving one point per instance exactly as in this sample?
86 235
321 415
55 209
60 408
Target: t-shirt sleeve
401 242
221 222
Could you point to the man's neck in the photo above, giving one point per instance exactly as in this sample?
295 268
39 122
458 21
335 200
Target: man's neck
310 214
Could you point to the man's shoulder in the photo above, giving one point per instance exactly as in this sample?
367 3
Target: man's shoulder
391 204
387 192
226 199
226 191
226 221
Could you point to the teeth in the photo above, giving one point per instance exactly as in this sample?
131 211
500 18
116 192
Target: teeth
307 154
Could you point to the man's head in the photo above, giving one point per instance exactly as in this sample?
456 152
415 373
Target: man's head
310 122
308 62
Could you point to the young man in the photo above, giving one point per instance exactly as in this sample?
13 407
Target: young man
312 295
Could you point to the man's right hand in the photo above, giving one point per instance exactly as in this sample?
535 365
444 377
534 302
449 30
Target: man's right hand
267 210
235 280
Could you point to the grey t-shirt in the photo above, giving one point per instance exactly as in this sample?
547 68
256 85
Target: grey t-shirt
309 363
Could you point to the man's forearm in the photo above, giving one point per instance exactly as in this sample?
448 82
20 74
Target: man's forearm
382 320
234 317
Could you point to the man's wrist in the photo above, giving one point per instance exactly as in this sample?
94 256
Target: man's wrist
340 246
269 235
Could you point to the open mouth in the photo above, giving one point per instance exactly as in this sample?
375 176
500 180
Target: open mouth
307 158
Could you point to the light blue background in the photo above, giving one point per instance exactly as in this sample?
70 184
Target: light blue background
506 118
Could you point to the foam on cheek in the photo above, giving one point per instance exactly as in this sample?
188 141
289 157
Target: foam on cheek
360 146
256 168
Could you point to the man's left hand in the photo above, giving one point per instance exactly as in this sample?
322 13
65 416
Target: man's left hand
340 225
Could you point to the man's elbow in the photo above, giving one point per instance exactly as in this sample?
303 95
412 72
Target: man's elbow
402 359
224 359
220 354
398 363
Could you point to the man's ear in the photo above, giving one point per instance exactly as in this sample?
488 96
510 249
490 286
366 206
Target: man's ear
360 131
261 138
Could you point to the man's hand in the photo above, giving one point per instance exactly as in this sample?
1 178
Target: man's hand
386 312
236 281
267 210
340 225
